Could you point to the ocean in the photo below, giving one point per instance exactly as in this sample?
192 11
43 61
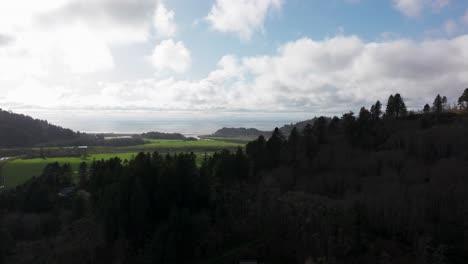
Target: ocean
190 124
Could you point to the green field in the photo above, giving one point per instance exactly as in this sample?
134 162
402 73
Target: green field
17 171
192 144
235 140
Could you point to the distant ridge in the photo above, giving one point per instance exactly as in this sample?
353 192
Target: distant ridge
240 132
160 135
254 133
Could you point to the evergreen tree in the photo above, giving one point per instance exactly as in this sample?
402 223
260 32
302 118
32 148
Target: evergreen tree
273 147
463 100
426 109
399 106
390 111
376 110
437 105
256 153
364 115
320 127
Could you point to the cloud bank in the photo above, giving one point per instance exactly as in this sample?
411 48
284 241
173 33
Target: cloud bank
54 55
330 76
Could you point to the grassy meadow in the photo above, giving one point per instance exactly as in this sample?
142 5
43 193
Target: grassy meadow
16 171
186 144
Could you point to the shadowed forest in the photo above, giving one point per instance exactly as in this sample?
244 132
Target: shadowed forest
380 186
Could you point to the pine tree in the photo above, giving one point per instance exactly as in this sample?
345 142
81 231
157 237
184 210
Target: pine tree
390 111
364 115
274 146
426 109
399 106
437 105
463 100
376 110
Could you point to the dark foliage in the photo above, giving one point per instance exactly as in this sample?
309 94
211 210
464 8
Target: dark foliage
160 135
18 130
365 189
240 132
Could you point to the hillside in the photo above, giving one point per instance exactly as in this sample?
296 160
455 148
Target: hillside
17 130
240 132
160 135
253 133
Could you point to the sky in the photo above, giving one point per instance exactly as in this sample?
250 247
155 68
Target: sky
227 59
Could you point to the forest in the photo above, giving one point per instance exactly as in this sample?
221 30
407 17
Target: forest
380 186
18 130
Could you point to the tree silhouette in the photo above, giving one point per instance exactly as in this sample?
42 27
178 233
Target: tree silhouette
396 106
400 107
437 105
364 115
463 100
426 109
390 110
273 147
376 110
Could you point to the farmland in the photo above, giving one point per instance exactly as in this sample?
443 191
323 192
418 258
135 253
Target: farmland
18 170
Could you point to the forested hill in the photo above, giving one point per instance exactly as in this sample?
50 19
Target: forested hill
253 132
240 132
17 130
160 135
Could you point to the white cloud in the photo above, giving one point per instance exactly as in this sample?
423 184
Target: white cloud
65 50
83 52
47 48
60 37
164 22
414 8
328 76
318 77
65 38
243 17
169 55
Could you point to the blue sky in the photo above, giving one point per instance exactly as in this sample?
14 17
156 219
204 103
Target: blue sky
261 58
316 19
